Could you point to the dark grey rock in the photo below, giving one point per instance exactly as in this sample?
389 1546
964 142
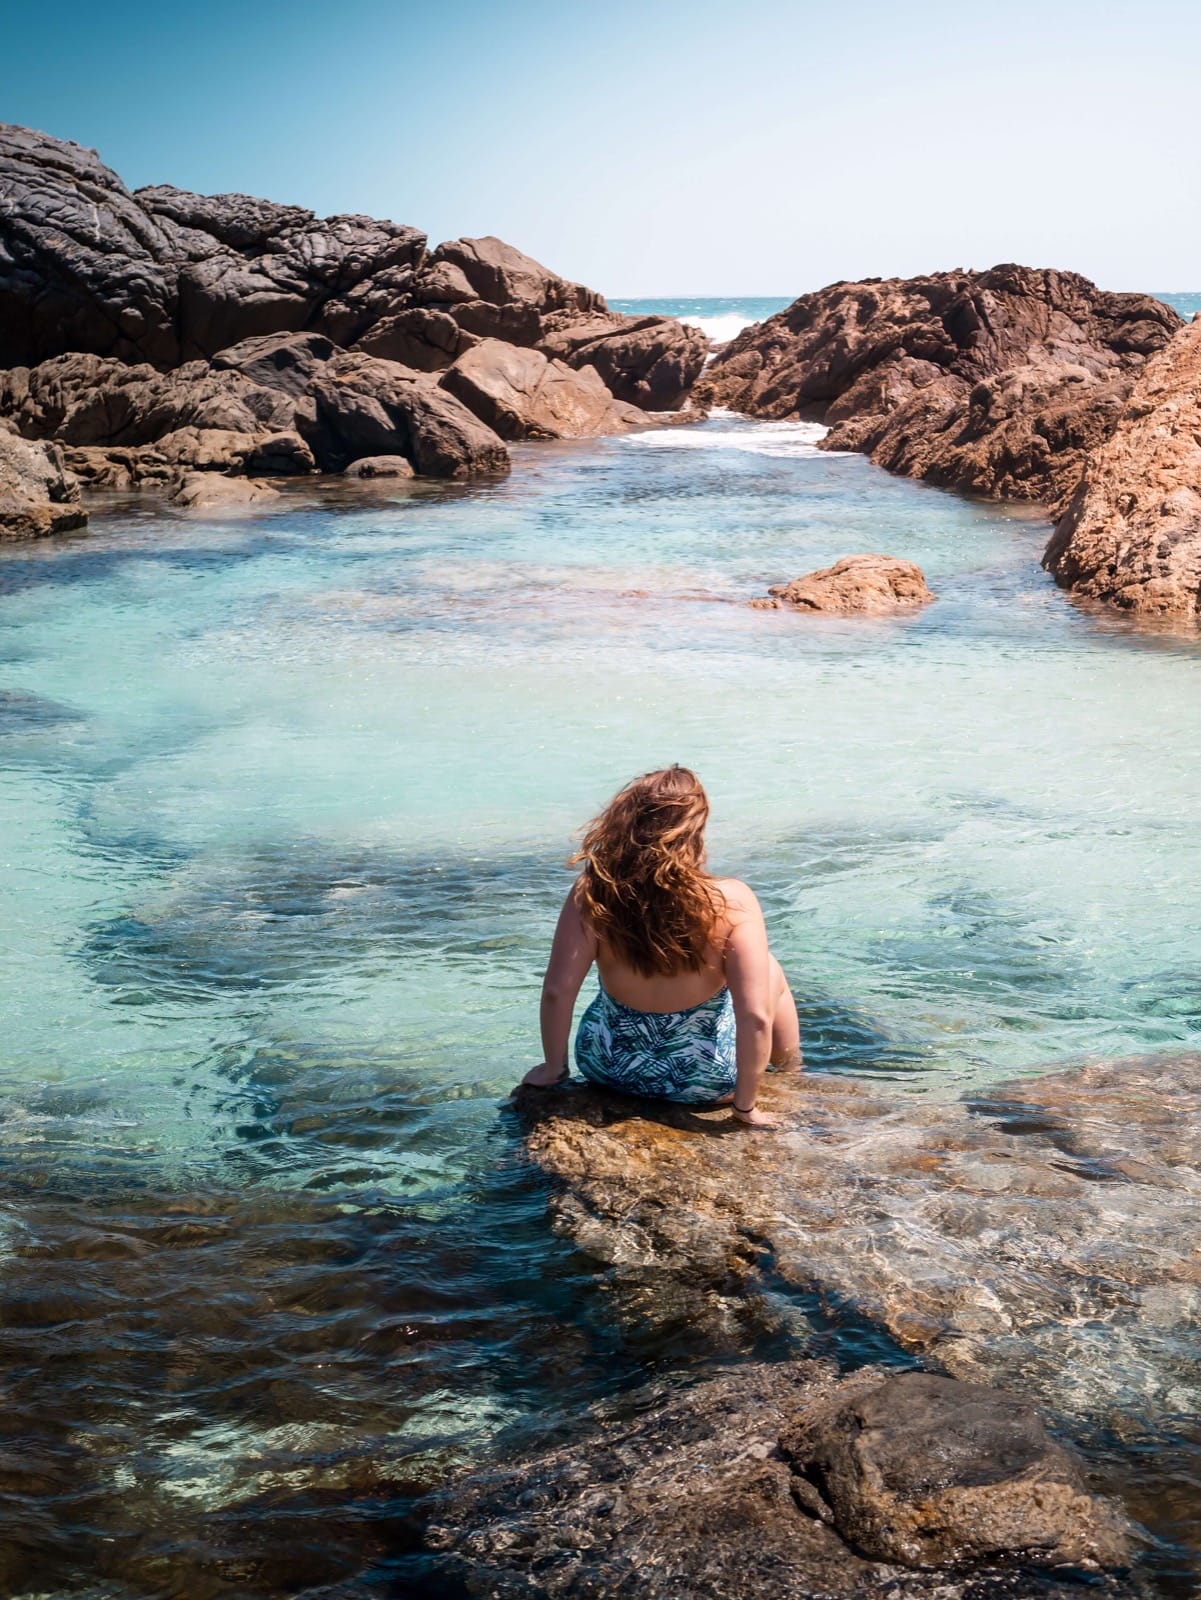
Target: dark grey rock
690 1497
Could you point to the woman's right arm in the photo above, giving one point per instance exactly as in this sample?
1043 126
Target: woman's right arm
571 954
748 977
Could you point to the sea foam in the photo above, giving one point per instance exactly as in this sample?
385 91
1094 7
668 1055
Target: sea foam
727 430
722 328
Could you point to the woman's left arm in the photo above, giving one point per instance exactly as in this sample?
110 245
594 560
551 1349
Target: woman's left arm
571 954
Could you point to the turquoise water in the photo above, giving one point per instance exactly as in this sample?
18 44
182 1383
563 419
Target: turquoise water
285 802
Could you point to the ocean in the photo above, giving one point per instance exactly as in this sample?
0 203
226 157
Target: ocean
285 805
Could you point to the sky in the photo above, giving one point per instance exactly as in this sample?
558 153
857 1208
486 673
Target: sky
755 147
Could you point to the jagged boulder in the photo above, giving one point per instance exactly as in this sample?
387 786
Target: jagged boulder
363 406
523 395
995 382
38 495
95 400
1132 532
163 276
650 362
868 584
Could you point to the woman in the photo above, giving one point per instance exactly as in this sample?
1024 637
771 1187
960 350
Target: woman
692 1003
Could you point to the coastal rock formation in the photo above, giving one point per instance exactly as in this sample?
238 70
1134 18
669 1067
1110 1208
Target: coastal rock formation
365 406
166 277
868 584
275 406
1046 1238
161 331
38 495
379 467
1132 532
996 383
720 1493
925 1471
522 395
214 491
643 360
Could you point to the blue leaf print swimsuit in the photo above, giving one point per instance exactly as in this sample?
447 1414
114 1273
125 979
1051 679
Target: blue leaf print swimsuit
686 1056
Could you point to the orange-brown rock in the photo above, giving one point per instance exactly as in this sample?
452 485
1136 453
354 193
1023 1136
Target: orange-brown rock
868 584
522 394
215 491
996 383
1132 532
38 494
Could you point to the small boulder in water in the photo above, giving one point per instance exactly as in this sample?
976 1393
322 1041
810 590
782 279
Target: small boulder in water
379 467
929 1472
213 491
867 583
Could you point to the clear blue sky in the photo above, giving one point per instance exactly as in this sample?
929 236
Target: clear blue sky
662 148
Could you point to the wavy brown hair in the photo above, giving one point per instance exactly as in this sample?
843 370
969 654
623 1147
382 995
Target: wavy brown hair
642 883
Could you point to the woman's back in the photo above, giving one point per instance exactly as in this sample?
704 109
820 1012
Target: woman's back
677 991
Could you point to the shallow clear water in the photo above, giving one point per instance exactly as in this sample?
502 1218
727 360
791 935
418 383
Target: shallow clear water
284 805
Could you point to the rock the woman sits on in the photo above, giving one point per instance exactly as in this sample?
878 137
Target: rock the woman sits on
692 1005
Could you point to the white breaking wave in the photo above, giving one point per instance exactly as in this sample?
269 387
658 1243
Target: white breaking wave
726 430
722 328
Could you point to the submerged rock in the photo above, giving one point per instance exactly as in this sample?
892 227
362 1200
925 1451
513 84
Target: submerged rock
996 383
711 1494
1047 1238
214 491
868 583
38 495
1132 533
926 1471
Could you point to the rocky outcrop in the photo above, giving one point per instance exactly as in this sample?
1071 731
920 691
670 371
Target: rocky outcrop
1131 535
276 406
38 495
521 394
784 1480
865 584
650 362
166 277
213 491
364 406
1044 1238
996 383
162 331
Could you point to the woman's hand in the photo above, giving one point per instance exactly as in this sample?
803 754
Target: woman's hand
763 1120
544 1076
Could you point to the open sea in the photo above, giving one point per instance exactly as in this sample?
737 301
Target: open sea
284 805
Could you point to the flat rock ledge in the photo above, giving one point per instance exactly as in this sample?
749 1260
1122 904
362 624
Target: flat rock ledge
1044 1237
866 585
785 1479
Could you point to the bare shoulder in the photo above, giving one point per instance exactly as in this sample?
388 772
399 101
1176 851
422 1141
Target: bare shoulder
741 900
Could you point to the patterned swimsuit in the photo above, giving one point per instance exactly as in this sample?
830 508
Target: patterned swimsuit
687 1056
